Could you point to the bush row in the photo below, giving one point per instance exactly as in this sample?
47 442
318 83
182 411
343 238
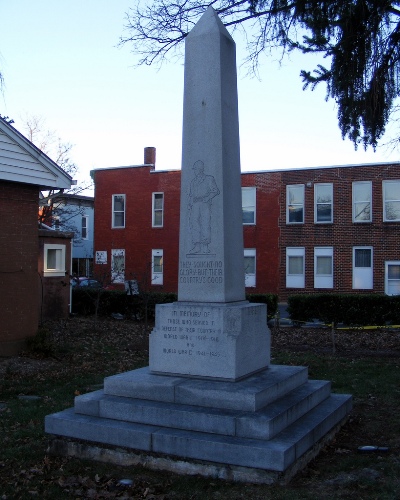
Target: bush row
118 302
350 309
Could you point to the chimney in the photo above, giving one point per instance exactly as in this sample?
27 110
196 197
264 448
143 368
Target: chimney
150 156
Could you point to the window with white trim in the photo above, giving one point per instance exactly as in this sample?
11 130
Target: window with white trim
249 205
85 227
391 201
158 210
117 265
362 268
323 203
157 267
392 277
295 204
54 260
323 267
250 267
362 201
295 275
118 210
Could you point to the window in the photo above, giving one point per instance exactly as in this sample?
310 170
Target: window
250 267
323 199
392 277
157 267
84 228
54 260
117 265
295 204
295 267
158 210
56 222
249 205
362 268
118 210
391 201
362 200
323 267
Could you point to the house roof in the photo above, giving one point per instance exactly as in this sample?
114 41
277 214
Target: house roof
21 161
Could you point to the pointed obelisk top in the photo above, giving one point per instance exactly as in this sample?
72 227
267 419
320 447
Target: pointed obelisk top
209 22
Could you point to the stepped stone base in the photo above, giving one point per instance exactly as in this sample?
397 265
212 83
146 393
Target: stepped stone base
267 422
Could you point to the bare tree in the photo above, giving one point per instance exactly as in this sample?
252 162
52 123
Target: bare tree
357 40
53 206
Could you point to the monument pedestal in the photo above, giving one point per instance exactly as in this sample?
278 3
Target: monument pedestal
226 341
259 428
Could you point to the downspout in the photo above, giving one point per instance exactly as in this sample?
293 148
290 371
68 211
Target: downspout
69 279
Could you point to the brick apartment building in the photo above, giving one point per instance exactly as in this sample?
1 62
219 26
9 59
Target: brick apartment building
305 230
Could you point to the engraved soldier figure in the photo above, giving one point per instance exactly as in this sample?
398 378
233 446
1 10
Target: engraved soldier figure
202 190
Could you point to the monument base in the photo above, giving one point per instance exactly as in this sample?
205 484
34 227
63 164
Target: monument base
226 341
268 422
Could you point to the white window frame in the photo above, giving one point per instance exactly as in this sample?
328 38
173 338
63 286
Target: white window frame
117 271
391 285
250 277
157 277
323 280
155 210
387 201
363 276
299 188
362 206
295 280
323 203
249 204
60 265
114 212
86 219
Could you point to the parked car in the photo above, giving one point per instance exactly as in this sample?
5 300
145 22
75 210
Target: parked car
85 282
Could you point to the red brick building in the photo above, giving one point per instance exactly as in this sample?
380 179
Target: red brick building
24 171
305 230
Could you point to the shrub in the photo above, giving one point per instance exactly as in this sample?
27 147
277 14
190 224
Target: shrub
350 309
41 343
265 298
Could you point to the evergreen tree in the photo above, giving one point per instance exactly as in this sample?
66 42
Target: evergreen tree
358 40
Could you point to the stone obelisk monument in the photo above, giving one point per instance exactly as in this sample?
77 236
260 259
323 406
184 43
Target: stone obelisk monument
211 262
210 398
211 332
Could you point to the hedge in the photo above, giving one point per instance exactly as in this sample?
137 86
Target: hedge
349 309
118 302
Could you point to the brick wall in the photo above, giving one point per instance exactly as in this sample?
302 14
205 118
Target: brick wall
18 265
270 236
54 291
343 234
138 238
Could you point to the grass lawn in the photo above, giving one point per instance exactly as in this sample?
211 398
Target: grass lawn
78 358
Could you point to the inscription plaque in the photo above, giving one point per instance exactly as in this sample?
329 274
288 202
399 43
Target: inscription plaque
209 340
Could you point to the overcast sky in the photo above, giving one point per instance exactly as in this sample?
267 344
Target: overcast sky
60 61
